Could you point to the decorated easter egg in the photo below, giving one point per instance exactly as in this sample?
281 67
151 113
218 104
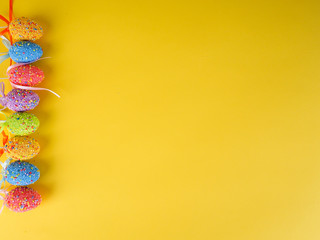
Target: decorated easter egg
22 147
25 52
21 100
22 123
22 199
26 75
25 29
21 173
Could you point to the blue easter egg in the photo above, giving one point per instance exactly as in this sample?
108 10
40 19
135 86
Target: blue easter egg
25 52
20 173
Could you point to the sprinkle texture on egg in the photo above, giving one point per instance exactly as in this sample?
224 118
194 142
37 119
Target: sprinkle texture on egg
22 147
26 75
25 52
22 199
22 123
21 173
21 100
25 29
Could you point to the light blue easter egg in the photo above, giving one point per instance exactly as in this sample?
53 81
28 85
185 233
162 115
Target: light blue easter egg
25 52
21 173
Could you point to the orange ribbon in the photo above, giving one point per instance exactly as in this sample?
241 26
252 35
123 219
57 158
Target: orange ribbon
8 21
6 30
10 10
4 141
4 135
4 19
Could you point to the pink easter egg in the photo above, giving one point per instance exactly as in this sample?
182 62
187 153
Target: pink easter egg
26 75
22 199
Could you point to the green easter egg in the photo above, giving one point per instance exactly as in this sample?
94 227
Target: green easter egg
22 123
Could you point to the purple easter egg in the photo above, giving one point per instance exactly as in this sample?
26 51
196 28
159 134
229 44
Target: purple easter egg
20 100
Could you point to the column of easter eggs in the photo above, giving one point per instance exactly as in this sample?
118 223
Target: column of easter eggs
21 147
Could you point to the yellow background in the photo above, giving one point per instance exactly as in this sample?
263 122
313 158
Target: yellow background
179 120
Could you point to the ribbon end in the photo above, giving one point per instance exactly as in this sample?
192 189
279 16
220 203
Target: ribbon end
6 42
4 57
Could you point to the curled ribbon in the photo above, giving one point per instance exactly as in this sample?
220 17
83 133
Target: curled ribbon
2 99
2 191
4 57
7 44
2 86
27 87
3 171
33 88
21 64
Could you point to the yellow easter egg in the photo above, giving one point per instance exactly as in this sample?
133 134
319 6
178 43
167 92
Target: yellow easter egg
22 147
25 29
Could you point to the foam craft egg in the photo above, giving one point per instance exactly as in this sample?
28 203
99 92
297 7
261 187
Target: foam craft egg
21 173
26 75
22 123
25 29
20 100
22 147
22 199
25 52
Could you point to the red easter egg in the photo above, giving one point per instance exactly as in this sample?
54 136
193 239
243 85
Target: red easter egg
26 75
22 199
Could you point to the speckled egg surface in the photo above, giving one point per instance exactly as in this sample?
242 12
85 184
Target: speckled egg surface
22 147
22 199
25 52
21 173
26 75
21 100
25 29
22 123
